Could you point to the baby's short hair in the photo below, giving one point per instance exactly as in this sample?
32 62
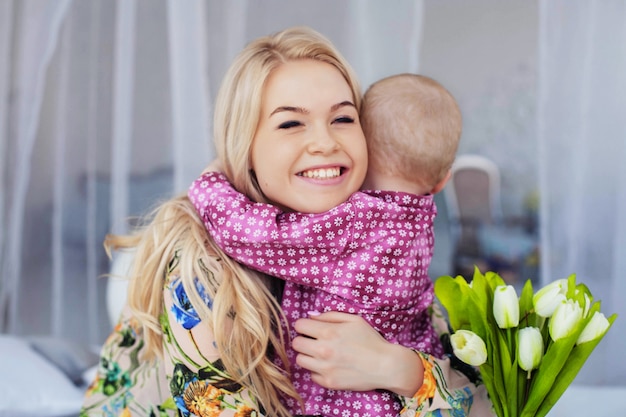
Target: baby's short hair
412 125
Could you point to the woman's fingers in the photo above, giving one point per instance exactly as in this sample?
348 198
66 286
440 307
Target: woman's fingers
339 350
317 325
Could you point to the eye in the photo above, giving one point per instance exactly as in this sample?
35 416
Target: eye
344 119
289 124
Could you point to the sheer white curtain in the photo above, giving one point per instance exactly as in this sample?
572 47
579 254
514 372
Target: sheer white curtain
105 107
582 136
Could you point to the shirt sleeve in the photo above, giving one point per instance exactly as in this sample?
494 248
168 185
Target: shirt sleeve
265 238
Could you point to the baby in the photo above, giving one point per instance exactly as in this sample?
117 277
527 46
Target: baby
369 255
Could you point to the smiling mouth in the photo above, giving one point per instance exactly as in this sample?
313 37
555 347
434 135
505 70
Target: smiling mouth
322 173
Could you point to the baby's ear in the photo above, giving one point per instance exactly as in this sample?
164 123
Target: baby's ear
439 186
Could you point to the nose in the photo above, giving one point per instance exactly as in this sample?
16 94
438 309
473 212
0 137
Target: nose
323 141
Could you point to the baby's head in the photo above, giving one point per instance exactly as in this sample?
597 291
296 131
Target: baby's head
412 125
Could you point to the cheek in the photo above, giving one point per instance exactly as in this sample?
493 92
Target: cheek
264 168
361 155
263 149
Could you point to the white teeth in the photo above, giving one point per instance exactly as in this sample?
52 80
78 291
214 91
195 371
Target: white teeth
322 174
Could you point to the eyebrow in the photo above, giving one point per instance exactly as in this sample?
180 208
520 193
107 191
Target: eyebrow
342 104
289 109
302 110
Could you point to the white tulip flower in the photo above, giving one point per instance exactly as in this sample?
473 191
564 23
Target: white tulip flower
595 328
506 306
564 320
529 348
469 347
549 297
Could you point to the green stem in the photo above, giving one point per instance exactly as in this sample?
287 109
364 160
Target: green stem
540 322
527 390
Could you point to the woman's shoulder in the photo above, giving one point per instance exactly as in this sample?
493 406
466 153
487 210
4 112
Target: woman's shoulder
123 382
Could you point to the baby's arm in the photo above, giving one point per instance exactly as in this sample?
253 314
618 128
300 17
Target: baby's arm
261 236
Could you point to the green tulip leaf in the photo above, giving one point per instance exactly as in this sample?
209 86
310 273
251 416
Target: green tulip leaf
486 371
449 291
512 380
522 384
526 308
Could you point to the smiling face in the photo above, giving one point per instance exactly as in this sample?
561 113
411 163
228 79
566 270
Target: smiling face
309 152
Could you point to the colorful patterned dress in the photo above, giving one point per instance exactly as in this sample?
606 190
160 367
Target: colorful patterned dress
185 383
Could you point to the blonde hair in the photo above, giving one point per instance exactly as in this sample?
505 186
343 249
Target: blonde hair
240 296
412 125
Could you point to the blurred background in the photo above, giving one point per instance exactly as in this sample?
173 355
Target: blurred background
105 108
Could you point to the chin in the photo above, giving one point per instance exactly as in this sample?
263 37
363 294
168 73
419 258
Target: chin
322 208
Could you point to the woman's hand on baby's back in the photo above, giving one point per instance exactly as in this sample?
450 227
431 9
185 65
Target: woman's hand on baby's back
343 351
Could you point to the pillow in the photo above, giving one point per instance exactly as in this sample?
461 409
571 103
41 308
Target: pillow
73 359
31 386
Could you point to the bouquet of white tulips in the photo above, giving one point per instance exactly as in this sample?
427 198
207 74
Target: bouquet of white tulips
528 349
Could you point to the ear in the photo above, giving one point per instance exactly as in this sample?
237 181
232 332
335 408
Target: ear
439 186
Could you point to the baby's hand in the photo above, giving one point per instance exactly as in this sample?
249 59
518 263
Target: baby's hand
214 166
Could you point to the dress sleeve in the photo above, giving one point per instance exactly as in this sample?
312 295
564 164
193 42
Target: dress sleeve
267 239
123 384
188 380
446 391
199 384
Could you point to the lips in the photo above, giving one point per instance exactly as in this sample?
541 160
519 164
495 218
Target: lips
322 173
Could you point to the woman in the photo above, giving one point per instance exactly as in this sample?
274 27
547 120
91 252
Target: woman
202 335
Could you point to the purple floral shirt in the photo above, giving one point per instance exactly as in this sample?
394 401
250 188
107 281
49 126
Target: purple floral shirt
367 256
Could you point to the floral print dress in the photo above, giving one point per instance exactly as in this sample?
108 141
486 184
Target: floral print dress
185 382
